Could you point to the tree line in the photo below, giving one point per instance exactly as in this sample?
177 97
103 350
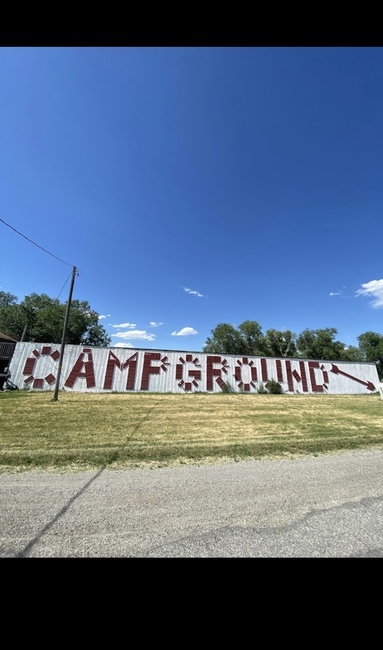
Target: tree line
41 318
248 339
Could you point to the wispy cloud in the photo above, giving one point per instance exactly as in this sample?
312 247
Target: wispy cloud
340 293
123 345
135 334
132 325
373 290
101 316
154 324
192 292
186 331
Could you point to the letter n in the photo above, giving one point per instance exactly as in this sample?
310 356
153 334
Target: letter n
293 374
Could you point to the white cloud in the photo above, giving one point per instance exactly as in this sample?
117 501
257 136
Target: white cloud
374 290
135 334
339 293
132 325
123 345
103 316
154 324
186 331
192 292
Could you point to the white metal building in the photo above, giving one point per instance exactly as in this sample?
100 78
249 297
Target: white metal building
92 369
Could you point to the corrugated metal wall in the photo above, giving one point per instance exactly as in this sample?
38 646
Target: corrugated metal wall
85 369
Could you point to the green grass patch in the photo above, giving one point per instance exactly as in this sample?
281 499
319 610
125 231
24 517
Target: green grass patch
94 430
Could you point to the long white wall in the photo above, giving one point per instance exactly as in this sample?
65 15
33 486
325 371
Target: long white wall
86 369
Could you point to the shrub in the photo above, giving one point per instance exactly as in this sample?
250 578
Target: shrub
261 389
226 387
274 387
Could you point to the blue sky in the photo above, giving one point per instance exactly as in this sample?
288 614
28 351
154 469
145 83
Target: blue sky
196 185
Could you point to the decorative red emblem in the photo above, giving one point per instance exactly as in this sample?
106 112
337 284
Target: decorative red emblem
30 364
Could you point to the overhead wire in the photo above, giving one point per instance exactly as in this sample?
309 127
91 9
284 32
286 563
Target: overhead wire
63 286
34 243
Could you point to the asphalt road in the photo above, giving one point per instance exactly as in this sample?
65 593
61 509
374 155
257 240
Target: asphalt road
325 506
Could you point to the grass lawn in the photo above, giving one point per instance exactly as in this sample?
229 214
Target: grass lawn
94 430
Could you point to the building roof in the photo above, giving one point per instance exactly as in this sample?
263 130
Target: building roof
5 337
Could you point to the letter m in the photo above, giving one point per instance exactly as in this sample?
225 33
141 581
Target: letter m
114 362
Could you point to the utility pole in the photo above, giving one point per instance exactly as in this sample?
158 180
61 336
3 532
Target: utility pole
55 397
24 333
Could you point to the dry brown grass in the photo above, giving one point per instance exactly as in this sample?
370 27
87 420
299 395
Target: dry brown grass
135 429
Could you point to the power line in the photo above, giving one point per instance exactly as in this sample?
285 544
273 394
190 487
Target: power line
34 243
63 286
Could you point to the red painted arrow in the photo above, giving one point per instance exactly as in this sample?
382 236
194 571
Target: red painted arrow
336 370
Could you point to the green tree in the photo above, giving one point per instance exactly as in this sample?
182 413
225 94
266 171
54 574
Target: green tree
7 299
246 339
320 344
225 339
279 343
12 320
252 337
371 347
352 353
43 317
